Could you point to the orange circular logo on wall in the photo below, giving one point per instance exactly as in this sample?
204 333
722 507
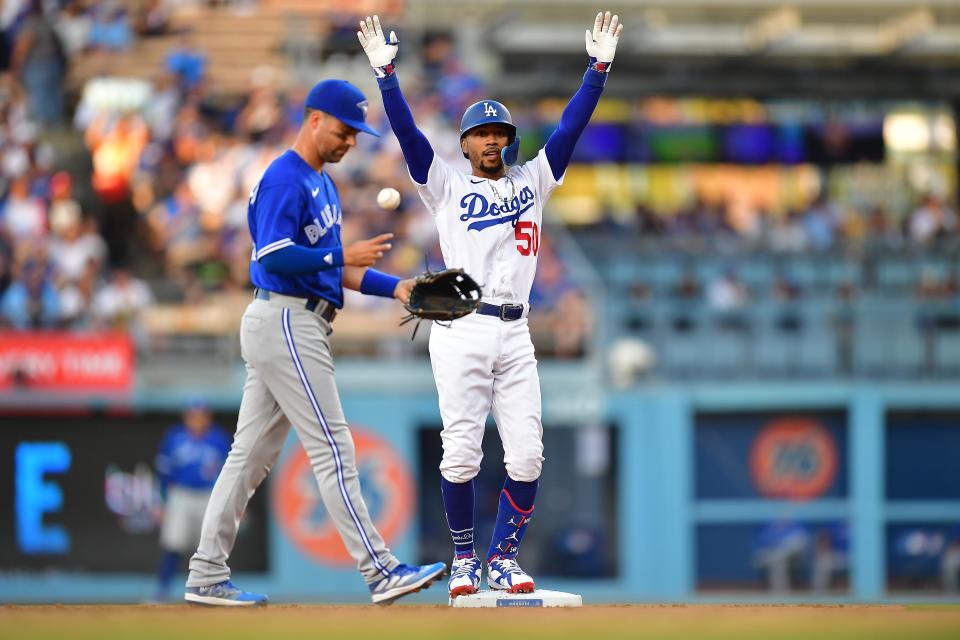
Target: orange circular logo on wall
793 458
385 481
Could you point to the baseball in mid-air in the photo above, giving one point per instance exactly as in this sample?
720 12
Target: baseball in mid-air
388 198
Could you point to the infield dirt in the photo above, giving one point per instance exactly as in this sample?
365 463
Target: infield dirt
300 622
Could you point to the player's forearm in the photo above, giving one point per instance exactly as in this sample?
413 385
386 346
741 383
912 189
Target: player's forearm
353 276
416 148
296 260
573 121
370 282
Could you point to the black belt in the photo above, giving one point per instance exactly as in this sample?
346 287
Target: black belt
506 312
328 313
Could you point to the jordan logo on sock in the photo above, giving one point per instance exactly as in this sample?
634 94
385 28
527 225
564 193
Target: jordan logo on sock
513 520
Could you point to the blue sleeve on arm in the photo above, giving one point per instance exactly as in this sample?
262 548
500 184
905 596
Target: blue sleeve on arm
295 259
378 283
573 121
278 209
416 148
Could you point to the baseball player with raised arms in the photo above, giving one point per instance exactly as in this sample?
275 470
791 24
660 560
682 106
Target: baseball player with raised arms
489 223
299 269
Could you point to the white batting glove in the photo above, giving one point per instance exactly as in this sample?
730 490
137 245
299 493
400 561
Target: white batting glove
379 50
602 43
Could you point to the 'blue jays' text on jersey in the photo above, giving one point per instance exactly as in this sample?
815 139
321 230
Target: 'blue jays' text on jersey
192 461
293 204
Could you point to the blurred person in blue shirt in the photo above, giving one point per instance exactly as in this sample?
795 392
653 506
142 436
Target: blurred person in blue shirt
31 301
822 223
111 30
39 59
187 64
188 463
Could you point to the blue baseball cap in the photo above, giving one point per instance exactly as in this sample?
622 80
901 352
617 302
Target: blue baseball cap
343 101
197 402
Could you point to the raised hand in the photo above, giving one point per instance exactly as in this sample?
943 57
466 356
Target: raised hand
380 51
365 253
602 43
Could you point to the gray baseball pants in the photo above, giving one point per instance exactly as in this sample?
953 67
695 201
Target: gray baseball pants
289 380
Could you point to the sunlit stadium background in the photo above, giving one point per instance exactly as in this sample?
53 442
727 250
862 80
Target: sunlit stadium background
747 310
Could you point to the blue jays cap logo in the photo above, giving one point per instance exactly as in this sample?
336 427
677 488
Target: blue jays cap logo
363 107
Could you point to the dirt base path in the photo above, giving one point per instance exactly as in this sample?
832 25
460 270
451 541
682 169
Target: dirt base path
303 622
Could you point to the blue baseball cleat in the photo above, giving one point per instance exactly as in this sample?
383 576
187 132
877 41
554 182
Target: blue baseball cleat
405 579
464 576
223 594
506 575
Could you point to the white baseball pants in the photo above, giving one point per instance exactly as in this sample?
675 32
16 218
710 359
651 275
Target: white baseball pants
483 364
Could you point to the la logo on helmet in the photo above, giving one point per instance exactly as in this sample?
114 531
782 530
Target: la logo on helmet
488 110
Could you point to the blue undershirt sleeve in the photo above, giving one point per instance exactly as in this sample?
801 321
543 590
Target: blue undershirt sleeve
416 148
296 259
573 121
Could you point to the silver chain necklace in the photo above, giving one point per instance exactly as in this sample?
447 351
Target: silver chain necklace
496 194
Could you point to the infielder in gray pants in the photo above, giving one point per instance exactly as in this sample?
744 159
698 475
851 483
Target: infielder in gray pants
300 268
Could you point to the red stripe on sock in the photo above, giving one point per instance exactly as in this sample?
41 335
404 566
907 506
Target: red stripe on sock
513 504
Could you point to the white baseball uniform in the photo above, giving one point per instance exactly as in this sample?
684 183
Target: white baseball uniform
491 229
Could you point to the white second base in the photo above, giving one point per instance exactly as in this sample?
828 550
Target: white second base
539 598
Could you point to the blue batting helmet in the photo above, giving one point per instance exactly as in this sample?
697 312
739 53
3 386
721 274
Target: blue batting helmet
492 112
486 112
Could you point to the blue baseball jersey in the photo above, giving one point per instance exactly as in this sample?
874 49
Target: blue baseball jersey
192 461
294 204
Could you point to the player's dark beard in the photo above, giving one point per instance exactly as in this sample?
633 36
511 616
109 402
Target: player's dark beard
492 170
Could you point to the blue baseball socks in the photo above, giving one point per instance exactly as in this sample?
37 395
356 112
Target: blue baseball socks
513 517
458 503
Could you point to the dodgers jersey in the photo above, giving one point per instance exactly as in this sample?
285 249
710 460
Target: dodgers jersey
192 461
294 204
491 228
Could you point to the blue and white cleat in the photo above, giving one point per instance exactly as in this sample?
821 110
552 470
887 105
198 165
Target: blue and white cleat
223 594
405 579
506 575
464 576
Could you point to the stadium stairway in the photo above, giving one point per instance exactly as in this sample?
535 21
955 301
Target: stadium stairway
236 41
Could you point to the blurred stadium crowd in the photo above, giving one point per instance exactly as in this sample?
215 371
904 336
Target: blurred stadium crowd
133 191
170 165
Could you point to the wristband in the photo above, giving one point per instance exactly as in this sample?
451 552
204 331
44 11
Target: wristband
385 71
595 78
600 67
388 82
377 283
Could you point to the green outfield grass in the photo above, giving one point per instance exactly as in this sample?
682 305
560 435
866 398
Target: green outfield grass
178 622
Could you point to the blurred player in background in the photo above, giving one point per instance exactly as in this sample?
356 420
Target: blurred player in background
489 224
188 463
